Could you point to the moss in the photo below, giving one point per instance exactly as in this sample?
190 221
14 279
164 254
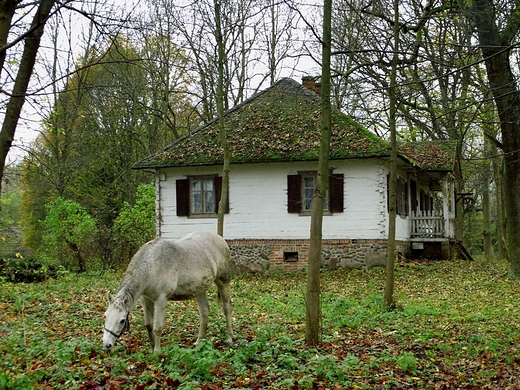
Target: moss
281 123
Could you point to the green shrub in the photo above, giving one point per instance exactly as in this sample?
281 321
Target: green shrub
29 269
67 231
135 224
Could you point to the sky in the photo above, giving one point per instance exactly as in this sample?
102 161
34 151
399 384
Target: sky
73 28
72 32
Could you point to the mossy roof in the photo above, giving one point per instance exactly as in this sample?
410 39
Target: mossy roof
436 155
279 124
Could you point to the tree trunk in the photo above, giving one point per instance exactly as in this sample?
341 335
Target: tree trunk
459 188
7 10
221 119
25 69
486 204
501 218
392 212
495 48
312 324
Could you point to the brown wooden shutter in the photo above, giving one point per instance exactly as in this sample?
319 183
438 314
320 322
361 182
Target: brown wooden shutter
183 197
218 193
336 192
294 193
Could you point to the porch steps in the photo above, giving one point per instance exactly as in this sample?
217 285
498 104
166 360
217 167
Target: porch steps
460 251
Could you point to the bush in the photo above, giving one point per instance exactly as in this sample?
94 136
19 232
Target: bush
20 269
67 231
135 224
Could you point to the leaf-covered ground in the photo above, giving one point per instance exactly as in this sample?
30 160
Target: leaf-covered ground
456 327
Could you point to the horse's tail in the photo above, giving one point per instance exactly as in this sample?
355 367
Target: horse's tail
219 298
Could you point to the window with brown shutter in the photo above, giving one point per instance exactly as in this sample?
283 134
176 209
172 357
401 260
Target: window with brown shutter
300 189
199 196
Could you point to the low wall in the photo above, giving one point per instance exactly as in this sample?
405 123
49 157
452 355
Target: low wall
292 255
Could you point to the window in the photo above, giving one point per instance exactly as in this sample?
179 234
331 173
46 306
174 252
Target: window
426 201
308 184
202 196
199 196
402 195
309 180
290 257
300 191
413 195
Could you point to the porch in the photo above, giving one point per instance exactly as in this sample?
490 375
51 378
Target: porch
431 236
428 224
427 235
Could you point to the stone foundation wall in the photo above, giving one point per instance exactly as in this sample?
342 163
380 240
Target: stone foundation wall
293 255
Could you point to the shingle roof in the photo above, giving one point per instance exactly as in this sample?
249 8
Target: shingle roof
436 155
279 124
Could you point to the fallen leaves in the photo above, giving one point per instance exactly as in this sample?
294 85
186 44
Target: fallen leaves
455 330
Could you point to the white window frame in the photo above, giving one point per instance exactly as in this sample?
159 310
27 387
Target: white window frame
207 196
305 199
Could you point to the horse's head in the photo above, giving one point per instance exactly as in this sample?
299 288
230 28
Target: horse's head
116 321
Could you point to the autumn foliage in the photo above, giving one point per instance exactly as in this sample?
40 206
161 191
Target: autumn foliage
456 327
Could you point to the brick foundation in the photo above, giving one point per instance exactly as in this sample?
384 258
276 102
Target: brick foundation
293 255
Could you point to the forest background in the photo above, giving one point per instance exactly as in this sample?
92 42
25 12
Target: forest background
113 84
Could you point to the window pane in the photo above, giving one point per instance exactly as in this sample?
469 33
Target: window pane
308 192
308 199
209 203
308 182
208 185
196 205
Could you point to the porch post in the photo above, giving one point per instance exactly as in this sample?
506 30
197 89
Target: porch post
447 199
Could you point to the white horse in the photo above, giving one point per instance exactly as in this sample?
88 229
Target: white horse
164 270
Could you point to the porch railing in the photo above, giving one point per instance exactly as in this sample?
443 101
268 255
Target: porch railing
428 224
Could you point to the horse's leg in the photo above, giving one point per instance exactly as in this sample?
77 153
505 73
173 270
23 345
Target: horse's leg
158 323
149 309
225 299
202 303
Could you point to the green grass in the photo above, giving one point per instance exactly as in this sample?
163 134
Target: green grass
456 326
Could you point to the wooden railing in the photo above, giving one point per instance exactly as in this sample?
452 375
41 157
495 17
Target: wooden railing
427 224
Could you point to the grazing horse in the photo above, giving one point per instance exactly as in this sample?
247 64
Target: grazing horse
164 270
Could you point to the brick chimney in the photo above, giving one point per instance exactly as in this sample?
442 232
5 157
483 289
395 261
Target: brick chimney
309 82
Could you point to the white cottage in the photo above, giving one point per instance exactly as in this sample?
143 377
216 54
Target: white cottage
274 142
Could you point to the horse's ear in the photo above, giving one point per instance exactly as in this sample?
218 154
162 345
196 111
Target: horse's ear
110 298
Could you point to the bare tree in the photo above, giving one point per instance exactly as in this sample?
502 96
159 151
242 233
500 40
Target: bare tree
196 34
497 30
31 37
312 329
392 212
221 61
276 36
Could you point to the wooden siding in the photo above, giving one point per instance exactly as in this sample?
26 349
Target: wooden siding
258 203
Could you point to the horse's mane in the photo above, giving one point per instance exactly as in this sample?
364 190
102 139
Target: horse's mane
135 275
124 299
